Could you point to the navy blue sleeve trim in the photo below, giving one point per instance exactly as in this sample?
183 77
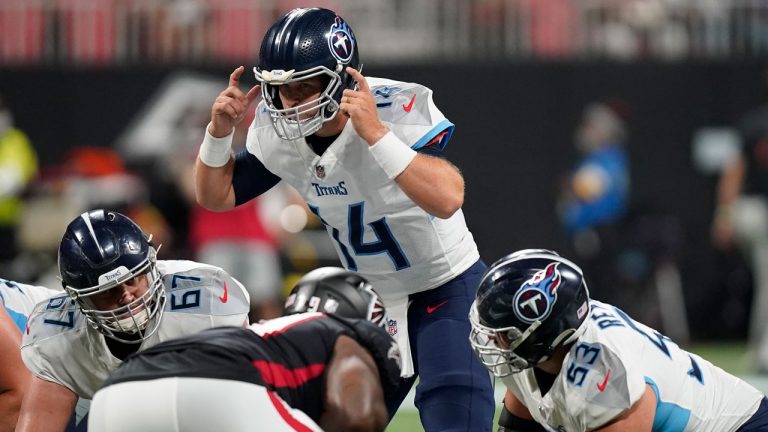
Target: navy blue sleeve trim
251 178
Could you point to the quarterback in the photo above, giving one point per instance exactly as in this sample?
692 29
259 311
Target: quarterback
120 299
367 156
575 364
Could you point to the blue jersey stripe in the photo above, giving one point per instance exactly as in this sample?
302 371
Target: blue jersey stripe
669 417
19 318
444 125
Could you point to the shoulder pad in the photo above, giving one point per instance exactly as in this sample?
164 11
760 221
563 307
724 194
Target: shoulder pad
410 112
56 315
203 289
602 381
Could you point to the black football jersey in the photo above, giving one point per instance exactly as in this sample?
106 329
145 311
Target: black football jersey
287 355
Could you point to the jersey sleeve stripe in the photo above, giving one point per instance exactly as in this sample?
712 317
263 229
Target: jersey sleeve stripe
444 129
279 376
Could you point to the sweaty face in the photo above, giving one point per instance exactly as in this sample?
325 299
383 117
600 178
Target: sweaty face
298 93
122 294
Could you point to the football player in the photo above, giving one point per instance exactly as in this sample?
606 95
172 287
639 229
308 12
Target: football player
326 363
16 303
571 363
367 156
120 299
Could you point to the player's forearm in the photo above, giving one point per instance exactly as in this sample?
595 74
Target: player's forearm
213 186
433 184
10 405
47 407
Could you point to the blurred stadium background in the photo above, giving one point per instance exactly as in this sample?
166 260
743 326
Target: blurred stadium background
113 95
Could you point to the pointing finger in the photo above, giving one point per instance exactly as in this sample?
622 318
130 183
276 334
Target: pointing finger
362 85
252 93
234 78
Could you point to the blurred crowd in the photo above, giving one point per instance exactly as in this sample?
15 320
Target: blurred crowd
212 31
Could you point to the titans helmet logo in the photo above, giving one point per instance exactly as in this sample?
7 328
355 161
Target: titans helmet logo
534 301
341 42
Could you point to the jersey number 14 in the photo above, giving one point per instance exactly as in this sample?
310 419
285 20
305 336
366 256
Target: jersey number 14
386 242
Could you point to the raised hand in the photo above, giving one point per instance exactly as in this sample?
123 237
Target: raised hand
230 106
360 106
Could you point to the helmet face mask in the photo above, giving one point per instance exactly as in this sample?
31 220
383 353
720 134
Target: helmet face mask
303 44
528 305
309 116
496 347
101 251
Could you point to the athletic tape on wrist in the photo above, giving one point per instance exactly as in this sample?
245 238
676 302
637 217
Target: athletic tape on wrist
215 152
392 156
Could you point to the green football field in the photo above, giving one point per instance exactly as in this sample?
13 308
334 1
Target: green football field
730 356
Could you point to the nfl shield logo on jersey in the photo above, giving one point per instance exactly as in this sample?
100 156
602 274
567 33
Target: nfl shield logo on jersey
392 327
320 171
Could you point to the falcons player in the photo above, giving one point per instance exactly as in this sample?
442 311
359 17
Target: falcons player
325 365
120 300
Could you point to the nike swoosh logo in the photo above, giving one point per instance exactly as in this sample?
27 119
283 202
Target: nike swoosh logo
408 107
601 387
225 297
431 309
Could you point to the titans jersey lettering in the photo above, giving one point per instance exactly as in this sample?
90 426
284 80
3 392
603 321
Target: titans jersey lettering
338 189
376 229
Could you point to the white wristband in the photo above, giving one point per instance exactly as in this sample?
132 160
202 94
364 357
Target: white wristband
215 152
392 155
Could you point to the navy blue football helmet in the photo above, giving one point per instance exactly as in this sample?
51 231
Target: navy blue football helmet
306 43
101 250
528 304
338 291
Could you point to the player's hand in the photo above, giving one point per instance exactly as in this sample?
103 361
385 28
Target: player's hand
230 106
360 106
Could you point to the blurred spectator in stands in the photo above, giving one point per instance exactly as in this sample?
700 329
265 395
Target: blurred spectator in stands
245 241
87 177
18 166
597 190
741 220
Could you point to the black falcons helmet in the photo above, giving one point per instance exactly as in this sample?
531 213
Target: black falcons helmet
306 43
338 291
528 304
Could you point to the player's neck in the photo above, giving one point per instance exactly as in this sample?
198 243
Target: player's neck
119 349
333 126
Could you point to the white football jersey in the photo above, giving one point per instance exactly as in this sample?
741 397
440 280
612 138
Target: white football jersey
376 229
607 369
60 346
19 299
